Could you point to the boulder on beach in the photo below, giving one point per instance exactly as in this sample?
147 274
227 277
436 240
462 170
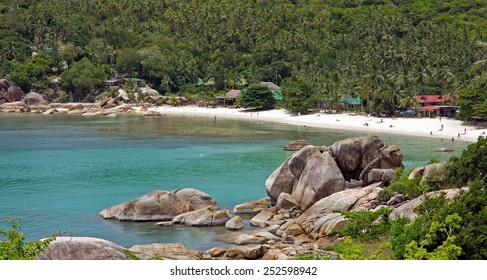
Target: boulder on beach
33 98
82 248
159 205
9 92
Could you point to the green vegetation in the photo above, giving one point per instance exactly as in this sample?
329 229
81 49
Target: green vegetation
256 96
443 229
14 246
385 52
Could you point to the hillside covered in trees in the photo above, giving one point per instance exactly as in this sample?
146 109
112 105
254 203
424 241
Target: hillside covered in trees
386 51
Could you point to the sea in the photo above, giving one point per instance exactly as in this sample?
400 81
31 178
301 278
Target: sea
57 172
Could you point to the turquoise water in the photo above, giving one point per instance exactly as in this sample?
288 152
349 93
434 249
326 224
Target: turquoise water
58 172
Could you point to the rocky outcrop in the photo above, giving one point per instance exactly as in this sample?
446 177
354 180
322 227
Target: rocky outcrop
425 172
18 106
252 207
33 99
320 178
211 215
171 251
314 172
9 92
320 218
159 206
286 176
260 219
296 145
82 248
407 209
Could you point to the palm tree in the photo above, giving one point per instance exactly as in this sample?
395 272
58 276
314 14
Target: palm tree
9 51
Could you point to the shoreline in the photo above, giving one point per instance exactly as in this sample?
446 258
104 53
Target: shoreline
420 127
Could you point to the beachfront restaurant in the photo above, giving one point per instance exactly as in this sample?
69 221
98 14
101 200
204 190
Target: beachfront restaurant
440 111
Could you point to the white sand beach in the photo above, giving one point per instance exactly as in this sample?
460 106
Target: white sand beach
426 127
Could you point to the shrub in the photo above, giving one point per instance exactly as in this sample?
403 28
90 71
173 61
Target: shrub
15 247
365 225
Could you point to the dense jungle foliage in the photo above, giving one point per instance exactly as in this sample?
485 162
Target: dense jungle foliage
386 51
443 228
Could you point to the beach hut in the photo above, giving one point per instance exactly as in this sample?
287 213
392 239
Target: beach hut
275 89
230 98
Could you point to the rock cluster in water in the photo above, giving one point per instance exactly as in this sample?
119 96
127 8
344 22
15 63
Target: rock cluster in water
305 193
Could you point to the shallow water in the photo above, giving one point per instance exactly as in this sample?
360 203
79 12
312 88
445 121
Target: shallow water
59 171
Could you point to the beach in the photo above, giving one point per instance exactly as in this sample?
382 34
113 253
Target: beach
440 128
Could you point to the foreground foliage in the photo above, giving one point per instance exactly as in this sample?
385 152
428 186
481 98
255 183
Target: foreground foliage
444 228
14 247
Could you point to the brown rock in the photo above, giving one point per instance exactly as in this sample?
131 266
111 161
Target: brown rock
159 206
152 113
283 178
354 154
320 218
250 252
320 178
260 219
217 252
172 251
252 207
33 98
407 209
211 215
234 223
286 201
82 248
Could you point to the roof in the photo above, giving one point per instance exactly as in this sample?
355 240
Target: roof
347 99
270 85
277 95
431 98
133 79
429 108
234 93
112 81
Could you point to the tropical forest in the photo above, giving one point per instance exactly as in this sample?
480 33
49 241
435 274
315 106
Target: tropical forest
384 51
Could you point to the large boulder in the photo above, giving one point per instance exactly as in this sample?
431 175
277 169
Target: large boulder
159 205
320 178
172 251
286 176
33 99
4 84
354 154
13 94
313 172
82 248
320 218
211 215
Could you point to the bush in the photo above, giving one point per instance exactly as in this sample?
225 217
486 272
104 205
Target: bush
365 225
15 247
